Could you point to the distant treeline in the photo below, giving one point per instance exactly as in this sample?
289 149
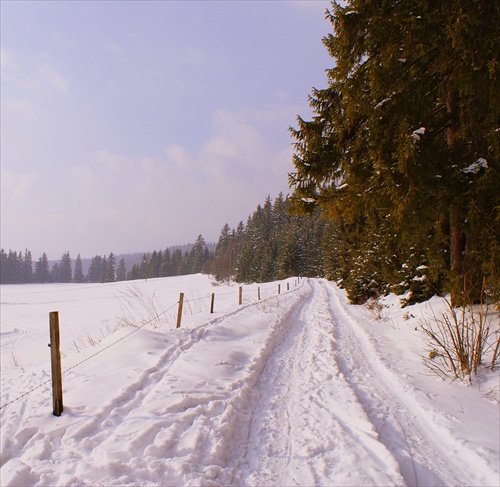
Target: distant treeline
19 268
275 243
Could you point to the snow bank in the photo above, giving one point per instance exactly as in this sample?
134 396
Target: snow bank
298 388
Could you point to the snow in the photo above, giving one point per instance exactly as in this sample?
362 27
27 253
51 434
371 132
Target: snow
417 133
475 167
299 388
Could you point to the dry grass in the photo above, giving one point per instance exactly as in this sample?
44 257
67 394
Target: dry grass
460 340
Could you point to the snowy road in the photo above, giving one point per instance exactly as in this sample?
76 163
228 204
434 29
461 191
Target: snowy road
327 412
308 425
291 390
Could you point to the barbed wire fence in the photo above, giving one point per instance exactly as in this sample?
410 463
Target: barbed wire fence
155 318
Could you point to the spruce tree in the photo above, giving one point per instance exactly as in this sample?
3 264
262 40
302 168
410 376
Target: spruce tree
166 264
4 259
121 271
27 267
177 259
96 269
133 274
198 256
65 270
55 272
406 133
109 269
222 258
78 275
42 273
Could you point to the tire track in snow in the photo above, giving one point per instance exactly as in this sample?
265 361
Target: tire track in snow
93 438
300 382
422 450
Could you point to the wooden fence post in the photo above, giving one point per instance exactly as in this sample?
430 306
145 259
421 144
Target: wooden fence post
55 354
240 295
279 289
288 286
212 303
258 293
179 313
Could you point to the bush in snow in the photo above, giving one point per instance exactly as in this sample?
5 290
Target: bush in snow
460 340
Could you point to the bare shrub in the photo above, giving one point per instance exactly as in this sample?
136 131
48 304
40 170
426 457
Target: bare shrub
374 308
140 308
459 341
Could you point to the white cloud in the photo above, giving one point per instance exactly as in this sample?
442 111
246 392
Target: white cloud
85 180
54 79
110 161
179 156
196 189
17 184
20 111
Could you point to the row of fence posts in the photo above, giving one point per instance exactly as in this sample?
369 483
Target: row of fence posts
212 300
55 345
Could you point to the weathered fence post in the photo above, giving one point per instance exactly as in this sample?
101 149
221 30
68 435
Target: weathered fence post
240 295
55 354
212 303
288 286
279 289
258 293
179 313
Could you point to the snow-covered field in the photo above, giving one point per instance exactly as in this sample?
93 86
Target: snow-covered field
299 388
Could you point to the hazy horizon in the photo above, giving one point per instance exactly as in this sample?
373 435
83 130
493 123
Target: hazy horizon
140 125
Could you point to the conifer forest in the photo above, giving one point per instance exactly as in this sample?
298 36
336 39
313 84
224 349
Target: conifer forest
396 180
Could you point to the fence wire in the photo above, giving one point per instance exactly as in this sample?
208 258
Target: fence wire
123 338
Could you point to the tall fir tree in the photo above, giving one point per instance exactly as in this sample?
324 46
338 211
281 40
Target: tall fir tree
78 275
27 267
166 264
65 269
42 272
121 270
109 270
406 133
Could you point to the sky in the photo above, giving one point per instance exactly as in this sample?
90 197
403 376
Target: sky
131 126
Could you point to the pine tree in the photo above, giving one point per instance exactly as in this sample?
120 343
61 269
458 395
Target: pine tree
42 273
78 275
134 273
4 263
144 267
177 259
198 255
222 258
154 264
65 270
12 267
96 269
109 270
55 272
406 131
27 267
166 264
121 271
